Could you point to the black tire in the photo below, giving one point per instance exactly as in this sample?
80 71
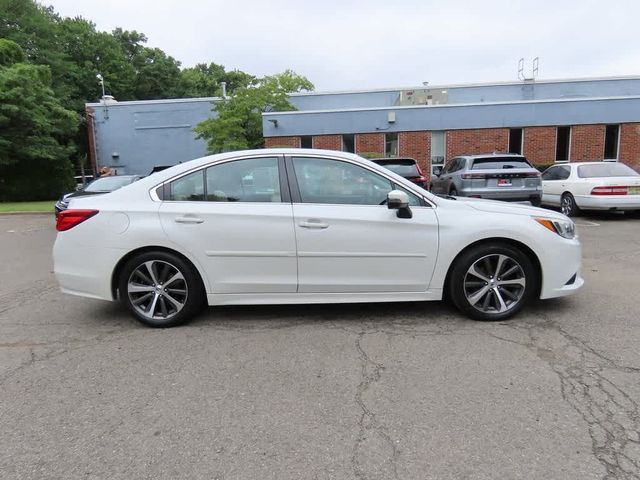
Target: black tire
568 205
536 201
173 306
462 284
453 192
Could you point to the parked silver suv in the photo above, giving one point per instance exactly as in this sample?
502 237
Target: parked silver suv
497 176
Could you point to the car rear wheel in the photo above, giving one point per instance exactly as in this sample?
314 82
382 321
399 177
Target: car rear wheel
160 289
492 282
568 205
453 192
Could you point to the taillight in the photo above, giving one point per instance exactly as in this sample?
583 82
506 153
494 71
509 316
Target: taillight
474 176
70 218
532 175
609 191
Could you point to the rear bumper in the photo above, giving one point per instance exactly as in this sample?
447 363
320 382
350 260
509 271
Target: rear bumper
605 202
504 195
80 271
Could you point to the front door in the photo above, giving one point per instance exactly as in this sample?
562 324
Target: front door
348 240
235 218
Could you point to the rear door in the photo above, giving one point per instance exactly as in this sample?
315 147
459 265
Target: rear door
235 218
555 183
348 240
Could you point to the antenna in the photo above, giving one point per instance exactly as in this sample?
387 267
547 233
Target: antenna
521 69
534 70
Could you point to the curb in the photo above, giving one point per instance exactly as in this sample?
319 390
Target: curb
27 213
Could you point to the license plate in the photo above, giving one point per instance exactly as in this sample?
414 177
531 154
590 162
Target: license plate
503 182
633 191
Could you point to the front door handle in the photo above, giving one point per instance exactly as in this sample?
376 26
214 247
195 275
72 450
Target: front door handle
314 224
188 219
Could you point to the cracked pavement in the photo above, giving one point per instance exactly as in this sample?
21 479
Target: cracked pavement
376 391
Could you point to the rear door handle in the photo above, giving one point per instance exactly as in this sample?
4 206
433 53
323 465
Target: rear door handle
314 224
188 219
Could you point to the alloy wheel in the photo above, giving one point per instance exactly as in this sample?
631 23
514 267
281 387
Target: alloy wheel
157 290
494 283
566 205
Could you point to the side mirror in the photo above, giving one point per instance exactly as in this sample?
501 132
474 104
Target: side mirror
436 171
79 188
399 200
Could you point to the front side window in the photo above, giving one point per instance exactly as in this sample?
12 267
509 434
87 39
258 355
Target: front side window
250 180
335 182
556 173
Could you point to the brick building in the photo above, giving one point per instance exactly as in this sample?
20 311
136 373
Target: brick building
547 121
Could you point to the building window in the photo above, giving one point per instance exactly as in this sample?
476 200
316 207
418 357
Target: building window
391 144
563 141
611 137
438 150
306 141
349 143
515 140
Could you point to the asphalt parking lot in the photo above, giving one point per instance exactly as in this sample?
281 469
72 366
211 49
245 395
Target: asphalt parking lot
406 391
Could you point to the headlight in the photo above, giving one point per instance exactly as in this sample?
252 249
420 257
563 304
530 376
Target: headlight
564 228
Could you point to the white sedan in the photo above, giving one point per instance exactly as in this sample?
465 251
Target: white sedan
293 226
591 186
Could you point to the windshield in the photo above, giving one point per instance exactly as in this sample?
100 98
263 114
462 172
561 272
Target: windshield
606 170
108 184
497 163
404 168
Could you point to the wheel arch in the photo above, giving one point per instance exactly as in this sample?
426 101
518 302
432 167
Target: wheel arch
154 248
493 241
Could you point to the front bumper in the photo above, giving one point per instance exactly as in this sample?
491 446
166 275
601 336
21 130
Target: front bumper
561 264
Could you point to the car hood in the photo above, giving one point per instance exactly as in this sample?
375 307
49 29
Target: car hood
495 206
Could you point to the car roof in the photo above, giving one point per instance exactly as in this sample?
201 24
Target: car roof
391 159
490 155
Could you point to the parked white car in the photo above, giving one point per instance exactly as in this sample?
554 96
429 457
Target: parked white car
301 226
591 186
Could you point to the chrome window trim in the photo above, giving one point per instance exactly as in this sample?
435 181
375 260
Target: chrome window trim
155 198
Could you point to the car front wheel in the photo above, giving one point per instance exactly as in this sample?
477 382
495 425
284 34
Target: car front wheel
160 289
492 282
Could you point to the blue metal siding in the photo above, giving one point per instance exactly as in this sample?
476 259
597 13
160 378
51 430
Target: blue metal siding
148 134
450 117
543 91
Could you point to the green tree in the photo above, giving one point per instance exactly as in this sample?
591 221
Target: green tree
10 53
239 119
34 133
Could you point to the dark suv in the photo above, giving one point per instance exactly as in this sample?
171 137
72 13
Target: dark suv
497 176
405 167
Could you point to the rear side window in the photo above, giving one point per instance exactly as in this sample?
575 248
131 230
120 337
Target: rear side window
606 170
188 188
250 180
497 163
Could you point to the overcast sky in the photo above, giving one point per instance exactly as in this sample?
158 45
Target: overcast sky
342 44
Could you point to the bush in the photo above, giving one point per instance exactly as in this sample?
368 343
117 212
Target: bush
371 155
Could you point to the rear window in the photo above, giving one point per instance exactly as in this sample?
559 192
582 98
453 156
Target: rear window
404 168
606 170
497 163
